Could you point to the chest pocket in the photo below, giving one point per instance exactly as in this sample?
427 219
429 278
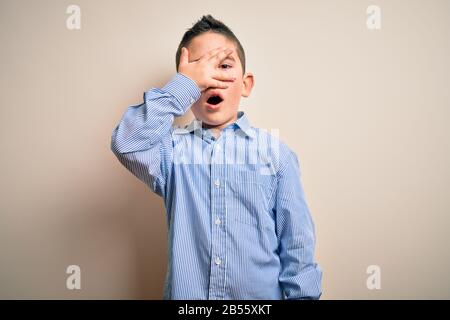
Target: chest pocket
247 200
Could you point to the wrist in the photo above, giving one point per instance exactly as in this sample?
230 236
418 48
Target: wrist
184 89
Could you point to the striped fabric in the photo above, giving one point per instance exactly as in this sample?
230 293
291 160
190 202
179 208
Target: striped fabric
238 223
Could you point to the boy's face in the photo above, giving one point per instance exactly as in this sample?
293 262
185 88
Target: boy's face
220 115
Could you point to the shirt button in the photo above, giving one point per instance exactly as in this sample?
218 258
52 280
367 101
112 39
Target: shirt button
218 261
217 222
217 183
192 100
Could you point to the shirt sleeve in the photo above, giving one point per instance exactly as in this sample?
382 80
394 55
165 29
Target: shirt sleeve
300 276
142 141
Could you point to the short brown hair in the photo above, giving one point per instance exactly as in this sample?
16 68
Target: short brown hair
209 24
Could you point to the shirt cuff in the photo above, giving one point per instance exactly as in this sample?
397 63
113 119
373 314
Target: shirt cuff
184 89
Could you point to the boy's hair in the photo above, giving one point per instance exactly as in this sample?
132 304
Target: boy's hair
209 24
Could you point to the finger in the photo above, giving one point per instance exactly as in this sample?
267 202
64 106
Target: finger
222 55
218 84
224 76
184 57
211 53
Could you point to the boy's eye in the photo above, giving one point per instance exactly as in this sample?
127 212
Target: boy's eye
227 65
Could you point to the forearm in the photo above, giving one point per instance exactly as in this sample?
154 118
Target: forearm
144 125
300 277
142 140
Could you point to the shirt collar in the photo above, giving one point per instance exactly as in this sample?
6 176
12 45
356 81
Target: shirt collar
242 123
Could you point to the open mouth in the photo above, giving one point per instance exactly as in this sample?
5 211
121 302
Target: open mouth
214 100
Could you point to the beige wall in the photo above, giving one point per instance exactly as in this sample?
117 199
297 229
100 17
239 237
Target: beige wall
366 111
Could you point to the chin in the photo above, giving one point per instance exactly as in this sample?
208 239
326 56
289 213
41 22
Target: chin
216 119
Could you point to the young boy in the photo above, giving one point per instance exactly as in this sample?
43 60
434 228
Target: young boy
238 223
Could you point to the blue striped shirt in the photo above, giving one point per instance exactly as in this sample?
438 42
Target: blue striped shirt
238 223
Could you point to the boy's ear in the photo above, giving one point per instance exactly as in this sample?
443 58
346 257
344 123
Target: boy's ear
249 81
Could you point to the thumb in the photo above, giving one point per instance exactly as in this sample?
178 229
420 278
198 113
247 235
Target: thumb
184 58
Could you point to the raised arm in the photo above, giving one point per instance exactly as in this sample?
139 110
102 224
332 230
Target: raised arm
142 141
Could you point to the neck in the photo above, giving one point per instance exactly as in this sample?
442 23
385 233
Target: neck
217 129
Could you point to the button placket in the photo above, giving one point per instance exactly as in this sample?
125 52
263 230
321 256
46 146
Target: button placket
217 274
